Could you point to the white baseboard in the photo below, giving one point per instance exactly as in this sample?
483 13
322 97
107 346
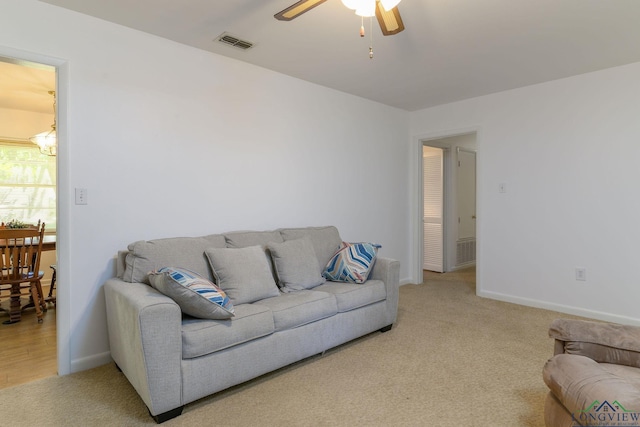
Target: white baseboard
90 362
561 308
462 266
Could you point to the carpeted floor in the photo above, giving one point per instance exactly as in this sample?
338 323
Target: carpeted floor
452 359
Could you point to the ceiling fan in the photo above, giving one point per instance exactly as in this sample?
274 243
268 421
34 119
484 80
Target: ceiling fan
386 11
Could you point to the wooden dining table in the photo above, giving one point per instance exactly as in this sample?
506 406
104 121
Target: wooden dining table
49 242
15 308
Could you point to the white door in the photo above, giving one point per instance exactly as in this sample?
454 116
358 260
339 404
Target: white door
432 171
466 194
466 243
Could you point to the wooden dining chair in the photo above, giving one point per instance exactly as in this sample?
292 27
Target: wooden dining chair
20 251
51 297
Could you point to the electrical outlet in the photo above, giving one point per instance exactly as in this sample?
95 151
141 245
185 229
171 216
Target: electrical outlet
81 196
581 274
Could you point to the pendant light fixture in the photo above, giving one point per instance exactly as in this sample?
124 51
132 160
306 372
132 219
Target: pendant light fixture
48 141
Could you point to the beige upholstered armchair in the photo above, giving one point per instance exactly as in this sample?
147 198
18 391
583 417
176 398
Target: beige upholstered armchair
594 376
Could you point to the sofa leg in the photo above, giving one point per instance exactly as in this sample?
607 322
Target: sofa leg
166 416
386 328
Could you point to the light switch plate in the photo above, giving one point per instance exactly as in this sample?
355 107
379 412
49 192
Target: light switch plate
81 196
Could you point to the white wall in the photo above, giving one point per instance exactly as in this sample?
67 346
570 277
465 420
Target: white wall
568 152
171 140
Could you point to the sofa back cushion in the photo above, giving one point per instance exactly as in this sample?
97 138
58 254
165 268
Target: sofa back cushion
325 240
243 239
186 252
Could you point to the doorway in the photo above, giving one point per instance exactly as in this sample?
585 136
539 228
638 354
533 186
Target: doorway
448 202
27 109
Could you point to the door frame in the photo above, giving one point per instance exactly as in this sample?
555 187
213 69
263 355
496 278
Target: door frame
63 292
417 212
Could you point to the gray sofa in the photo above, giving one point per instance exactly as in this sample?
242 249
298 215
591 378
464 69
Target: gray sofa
172 359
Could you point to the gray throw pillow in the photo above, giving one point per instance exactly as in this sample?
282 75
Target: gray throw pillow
243 273
296 264
326 240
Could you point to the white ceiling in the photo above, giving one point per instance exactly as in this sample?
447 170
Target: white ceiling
25 86
450 50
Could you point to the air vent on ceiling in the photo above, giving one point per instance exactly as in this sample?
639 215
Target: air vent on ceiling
230 40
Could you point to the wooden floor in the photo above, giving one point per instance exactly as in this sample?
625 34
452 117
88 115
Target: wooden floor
27 348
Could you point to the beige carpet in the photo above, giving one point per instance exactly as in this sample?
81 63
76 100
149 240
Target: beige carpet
452 359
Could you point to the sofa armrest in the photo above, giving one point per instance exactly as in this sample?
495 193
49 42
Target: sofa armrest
388 270
602 342
146 342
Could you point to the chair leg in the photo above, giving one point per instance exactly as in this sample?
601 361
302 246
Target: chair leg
43 303
50 297
37 299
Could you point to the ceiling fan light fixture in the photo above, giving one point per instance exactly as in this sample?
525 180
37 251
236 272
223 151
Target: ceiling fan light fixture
297 9
351 4
389 4
385 11
366 9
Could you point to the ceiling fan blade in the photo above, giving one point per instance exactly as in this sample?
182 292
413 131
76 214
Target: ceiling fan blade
390 21
297 9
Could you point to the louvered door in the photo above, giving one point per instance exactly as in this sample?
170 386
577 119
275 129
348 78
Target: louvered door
432 164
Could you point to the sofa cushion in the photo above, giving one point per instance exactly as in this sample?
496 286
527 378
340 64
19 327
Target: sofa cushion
196 296
186 252
200 337
578 381
243 273
352 263
350 296
242 239
299 308
295 264
326 240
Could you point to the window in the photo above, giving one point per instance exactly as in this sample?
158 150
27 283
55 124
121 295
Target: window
27 185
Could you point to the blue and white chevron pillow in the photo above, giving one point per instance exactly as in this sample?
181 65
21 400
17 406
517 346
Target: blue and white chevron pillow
196 296
352 263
